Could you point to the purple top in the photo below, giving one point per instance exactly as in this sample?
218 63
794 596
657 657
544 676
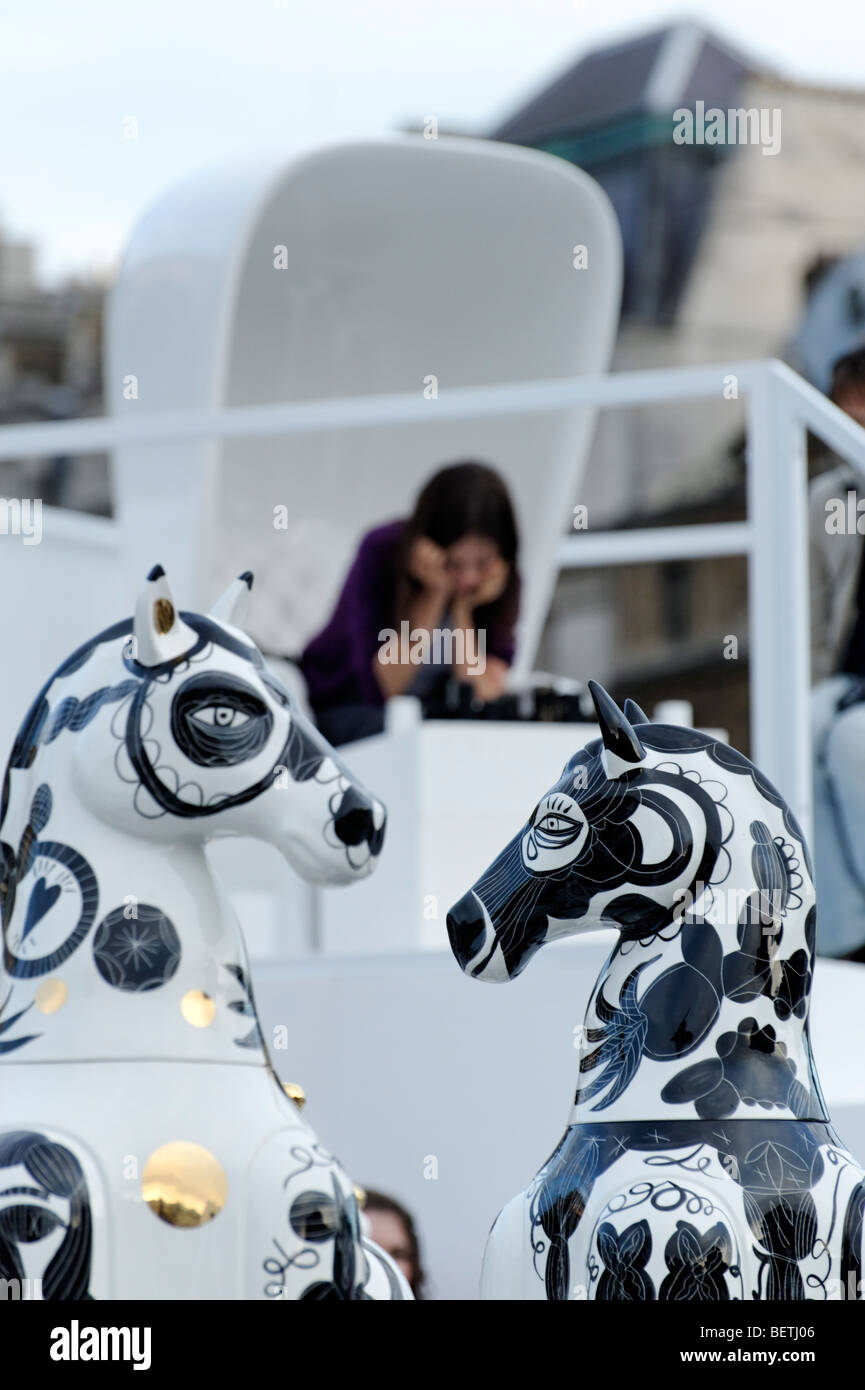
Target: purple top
337 664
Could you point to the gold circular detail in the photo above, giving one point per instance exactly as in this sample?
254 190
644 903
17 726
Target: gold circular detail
198 1008
163 616
51 995
184 1184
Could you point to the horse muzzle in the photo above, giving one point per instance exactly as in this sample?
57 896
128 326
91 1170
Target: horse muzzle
473 940
360 821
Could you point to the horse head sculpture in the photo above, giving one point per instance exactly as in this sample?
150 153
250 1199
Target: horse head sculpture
161 733
697 1099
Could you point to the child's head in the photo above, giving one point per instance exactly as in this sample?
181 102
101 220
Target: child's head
848 384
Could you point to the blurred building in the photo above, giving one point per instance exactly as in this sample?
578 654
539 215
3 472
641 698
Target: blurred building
50 369
722 244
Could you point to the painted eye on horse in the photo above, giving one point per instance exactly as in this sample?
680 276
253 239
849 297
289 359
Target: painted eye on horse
558 829
220 715
169 736
218 720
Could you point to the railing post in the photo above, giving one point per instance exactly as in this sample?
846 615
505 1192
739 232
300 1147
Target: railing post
778 595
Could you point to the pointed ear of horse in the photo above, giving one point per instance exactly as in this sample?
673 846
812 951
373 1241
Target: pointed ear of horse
634 714
623 751
160 633
232 606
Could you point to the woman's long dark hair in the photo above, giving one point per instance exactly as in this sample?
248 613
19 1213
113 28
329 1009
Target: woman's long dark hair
464 499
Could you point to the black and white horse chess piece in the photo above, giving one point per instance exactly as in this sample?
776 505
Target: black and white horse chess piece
148 1149
699 1161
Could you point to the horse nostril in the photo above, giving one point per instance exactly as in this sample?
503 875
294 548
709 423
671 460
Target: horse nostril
466 928
379 820
354 822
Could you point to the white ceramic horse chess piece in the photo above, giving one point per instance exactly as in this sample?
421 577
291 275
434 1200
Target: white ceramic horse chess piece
147 1148
699 1162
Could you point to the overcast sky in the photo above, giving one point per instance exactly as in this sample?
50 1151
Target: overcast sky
209 80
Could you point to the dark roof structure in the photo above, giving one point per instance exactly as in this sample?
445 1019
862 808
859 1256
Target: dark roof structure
651 75
611 113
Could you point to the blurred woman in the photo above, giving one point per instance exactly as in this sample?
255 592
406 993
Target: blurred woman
393 1228
428 599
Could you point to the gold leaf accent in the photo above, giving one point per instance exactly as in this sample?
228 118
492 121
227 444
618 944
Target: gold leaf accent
51 995
295 1093
198 1008
184 1184
163 616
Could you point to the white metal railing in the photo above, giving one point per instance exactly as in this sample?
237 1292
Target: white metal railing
780 407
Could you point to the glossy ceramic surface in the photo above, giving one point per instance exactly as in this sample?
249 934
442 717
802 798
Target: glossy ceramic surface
148 1148
699 1161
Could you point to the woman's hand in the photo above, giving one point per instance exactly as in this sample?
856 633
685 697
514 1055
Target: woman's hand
428 565
491 587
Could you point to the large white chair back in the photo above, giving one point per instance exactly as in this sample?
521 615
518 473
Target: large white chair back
406 264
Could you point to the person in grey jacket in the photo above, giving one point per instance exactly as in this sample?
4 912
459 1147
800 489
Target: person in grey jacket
837 574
